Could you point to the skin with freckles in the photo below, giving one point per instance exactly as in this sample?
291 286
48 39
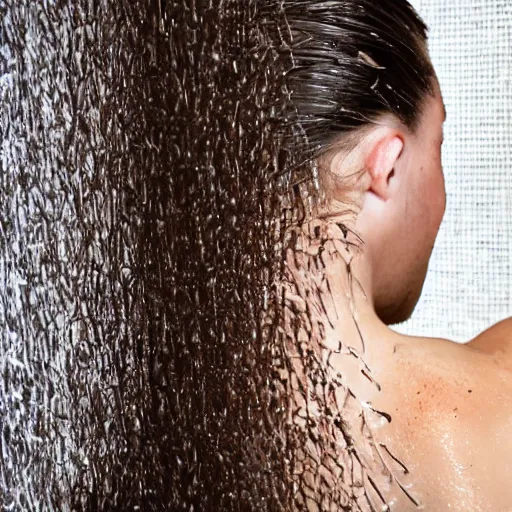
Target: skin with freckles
450 404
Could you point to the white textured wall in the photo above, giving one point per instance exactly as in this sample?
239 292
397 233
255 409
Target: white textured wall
470 280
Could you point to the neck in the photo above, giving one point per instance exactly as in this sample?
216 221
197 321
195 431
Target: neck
367 341
333 269
335 347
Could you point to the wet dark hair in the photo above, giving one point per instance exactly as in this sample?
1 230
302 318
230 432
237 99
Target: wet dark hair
144 343
354 61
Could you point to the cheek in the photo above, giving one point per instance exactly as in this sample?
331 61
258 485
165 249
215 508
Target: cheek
437 196
425 212
433 193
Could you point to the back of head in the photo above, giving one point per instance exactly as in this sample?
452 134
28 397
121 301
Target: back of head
349 63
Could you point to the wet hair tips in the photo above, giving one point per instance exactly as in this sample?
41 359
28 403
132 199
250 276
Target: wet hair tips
354 61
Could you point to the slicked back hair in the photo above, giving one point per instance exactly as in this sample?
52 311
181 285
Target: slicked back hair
353 62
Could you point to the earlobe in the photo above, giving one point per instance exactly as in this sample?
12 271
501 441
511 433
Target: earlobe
381 164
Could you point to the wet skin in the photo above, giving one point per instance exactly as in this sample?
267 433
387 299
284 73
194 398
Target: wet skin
450 404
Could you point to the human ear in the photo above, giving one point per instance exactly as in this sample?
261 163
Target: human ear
381 162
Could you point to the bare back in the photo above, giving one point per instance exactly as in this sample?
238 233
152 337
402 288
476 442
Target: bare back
451 406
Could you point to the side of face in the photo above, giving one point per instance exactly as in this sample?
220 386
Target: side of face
402 210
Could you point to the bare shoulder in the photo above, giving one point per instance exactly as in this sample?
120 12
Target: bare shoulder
452 421
448 373
496 341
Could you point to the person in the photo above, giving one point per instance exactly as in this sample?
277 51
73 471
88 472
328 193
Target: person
369 103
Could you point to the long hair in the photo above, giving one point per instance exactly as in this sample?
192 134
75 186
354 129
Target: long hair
158 172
